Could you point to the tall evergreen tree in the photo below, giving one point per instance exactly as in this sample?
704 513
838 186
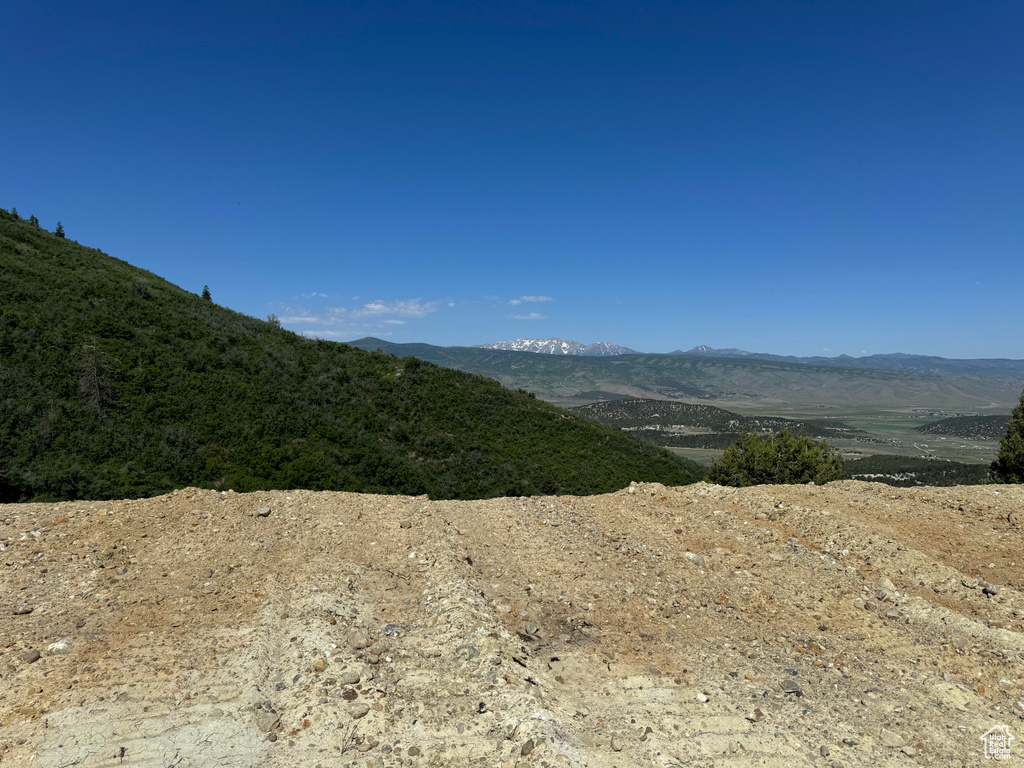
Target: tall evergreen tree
33 221
206 293
59 231
1009 465
14 213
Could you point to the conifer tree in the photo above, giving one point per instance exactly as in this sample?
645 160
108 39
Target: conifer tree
59 231
1009 465
33 221
206 293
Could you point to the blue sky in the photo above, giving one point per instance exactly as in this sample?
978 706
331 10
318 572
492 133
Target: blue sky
791 177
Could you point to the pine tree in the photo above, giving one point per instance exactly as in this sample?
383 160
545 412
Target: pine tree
1009 465
59 231
206 293
33 221
14 213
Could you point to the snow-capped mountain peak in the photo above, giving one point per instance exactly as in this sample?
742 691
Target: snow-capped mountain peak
558 346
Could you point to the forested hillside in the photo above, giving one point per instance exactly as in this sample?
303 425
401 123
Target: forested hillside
116 383
991 427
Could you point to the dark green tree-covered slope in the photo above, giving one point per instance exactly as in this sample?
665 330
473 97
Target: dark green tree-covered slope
116 383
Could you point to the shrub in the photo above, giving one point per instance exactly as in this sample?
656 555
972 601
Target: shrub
1009 465
780 459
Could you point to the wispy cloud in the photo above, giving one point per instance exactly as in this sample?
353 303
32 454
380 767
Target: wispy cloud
372 318
406 308
531 316
530 300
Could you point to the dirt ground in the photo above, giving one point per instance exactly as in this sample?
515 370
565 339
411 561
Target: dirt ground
844 625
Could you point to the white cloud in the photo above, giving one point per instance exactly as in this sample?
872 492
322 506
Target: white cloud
530 300
402 308
531 316
374 318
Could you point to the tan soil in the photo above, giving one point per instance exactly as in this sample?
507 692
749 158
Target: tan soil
650 627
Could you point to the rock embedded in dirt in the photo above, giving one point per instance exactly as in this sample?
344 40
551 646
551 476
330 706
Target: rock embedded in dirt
357 639
891 739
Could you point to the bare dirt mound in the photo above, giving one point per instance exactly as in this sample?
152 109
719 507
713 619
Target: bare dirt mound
850 624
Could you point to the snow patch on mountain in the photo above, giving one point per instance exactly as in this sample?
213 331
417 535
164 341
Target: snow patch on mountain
558 346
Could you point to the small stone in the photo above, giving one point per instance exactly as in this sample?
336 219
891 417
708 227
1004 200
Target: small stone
824 751
271 736
531 628
414 751
405 524
790 686
22 610
992 589
267 722
319 665
696 558
263 512
527 748
31 657
358 711
59 648
909 751
511 679
890 739
348 677
617 745
80 623
358 639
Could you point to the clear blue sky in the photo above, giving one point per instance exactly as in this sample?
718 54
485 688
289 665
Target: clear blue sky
791 177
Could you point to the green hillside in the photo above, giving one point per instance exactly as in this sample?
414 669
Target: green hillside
116 383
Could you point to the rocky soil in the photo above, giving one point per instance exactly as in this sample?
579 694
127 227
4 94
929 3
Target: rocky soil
845 625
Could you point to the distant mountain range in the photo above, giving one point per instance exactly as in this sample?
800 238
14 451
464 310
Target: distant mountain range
992 368
996 368
576 379
560 347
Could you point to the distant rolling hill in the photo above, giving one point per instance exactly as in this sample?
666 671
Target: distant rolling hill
574 380
116 383
696 425
969 427
998 368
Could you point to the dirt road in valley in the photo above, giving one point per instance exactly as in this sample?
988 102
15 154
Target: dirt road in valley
850 624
